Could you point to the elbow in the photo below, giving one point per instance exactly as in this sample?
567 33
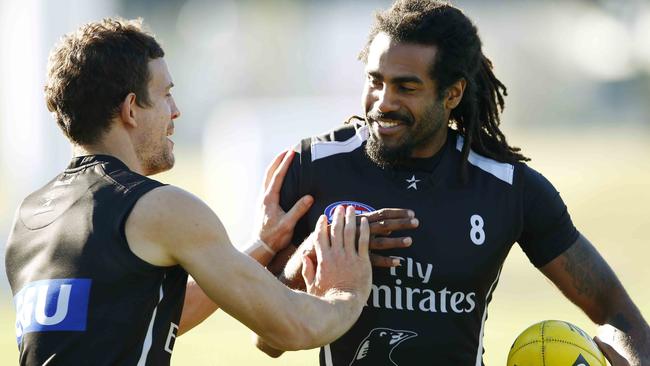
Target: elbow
265 347
294 335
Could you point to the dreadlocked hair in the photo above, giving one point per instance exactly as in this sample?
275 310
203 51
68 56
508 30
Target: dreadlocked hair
458 56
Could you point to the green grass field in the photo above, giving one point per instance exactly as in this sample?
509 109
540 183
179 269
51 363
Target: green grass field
603 177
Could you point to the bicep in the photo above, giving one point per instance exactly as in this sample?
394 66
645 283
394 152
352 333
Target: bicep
188 232
547 228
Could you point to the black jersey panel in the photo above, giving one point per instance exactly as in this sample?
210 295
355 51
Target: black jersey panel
432 308
82 296
294 187
548 230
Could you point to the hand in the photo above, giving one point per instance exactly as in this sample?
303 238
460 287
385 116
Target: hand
614 358
340 265
382 223
275 226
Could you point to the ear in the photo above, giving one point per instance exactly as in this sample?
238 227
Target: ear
454 94
128 112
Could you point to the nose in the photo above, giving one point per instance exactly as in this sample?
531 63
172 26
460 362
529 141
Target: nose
175 111
386 101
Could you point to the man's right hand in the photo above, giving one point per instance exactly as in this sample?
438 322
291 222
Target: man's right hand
288 263
341 265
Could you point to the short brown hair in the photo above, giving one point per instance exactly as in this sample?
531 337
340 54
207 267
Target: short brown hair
92 70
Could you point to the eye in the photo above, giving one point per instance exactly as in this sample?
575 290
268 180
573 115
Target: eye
374 81
406 89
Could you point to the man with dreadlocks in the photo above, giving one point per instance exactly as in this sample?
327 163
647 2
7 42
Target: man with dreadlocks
430 141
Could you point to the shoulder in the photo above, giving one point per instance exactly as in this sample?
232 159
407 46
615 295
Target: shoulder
503 171
167 219
343 139
170 205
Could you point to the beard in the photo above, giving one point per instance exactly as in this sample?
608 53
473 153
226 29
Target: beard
155 160
421 132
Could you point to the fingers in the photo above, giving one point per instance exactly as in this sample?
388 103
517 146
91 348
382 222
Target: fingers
611 354
336 228
383 243
364 238
274 185
322 244
308 271
350 231
385 262
272 167
389 213
298 210
387 226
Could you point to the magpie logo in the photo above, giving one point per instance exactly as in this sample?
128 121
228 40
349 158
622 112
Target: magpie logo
581 361
377 347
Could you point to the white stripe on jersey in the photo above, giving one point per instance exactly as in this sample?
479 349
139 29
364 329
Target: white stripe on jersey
328 355
503 171
146 346
323 149
479 351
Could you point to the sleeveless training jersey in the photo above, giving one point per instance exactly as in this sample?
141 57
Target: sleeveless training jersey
81 296
432 308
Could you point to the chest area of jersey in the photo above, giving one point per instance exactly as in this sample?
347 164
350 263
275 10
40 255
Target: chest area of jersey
463 235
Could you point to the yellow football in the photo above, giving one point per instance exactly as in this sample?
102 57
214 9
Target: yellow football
555 343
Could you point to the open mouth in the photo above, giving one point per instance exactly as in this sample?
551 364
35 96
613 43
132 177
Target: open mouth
388 124
388 127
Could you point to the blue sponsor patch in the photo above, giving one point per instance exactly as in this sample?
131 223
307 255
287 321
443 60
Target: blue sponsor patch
359 208
52 305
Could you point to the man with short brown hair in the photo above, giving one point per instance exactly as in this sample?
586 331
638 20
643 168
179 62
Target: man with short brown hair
98 258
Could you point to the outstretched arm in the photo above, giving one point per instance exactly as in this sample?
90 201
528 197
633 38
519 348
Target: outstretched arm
275 228
169 226
586 279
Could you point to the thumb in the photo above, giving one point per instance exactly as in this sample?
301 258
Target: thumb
308 271
610 353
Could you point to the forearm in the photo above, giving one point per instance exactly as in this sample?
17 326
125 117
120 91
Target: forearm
588 281
632 333
291 274
316 321
197 306
286 319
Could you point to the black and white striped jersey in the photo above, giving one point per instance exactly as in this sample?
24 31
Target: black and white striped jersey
81 296
432 309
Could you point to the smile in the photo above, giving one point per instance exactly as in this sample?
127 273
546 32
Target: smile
388 124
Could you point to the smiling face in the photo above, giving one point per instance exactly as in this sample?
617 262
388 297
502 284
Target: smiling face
153 147
406 116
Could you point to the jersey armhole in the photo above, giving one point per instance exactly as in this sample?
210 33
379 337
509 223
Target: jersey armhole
131 199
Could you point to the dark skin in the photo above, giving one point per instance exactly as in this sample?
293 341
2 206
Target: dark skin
580 272
586 279
287 263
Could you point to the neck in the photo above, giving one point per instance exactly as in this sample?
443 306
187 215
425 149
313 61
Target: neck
126 154
432 147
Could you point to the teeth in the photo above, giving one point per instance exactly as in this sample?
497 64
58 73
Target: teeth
386 124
